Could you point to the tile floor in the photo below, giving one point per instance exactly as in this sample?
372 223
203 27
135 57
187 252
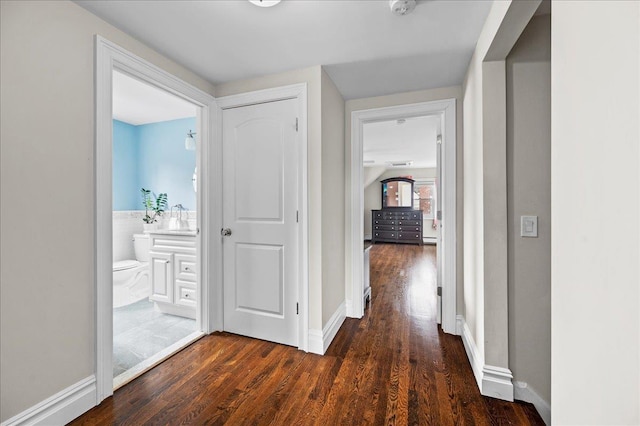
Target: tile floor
139 332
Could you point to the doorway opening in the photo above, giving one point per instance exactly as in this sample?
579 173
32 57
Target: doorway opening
443 117
152 285
155 257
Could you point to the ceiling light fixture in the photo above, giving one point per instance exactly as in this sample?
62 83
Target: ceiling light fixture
265 3
190 142
402 7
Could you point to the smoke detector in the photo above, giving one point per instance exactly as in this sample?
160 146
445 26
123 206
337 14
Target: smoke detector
402 7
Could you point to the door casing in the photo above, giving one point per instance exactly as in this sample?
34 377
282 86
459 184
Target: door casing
355 199
109 57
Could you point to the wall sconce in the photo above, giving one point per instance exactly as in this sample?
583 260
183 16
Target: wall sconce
190 142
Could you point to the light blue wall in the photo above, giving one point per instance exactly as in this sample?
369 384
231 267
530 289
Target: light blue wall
160 163
125 173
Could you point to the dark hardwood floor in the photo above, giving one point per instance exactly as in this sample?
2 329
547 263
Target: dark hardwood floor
393 367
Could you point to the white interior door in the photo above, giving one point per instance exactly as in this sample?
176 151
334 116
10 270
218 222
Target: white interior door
260 250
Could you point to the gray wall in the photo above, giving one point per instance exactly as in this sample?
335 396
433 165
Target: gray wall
47 331
528 69
333 198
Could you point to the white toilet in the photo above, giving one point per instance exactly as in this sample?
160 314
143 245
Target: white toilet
131 277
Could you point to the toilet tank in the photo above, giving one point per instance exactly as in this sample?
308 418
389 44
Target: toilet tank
141 247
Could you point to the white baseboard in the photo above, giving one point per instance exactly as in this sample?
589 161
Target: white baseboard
475 358
367 237
524 392
319 341
496 382
332 326
492 381
60 408
316 342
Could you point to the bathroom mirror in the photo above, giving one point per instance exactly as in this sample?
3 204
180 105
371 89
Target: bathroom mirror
397 193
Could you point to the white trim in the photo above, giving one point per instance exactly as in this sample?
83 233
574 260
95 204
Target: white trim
332 326
299 92
319 340
475 357
447 109
523 392
110 56
491 380
60 408
496 382
316 344
368 237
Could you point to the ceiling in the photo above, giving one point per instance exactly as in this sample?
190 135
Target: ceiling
414 140
137 103
367 50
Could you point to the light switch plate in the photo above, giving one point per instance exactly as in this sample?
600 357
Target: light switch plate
529 226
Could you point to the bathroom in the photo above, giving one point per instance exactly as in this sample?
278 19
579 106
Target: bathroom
155 258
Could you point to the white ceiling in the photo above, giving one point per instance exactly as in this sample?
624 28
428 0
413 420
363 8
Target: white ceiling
414 140
366 49
137 103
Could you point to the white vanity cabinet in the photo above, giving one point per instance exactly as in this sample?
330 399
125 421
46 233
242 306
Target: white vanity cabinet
173 272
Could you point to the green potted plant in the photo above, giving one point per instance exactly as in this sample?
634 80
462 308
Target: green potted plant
153 207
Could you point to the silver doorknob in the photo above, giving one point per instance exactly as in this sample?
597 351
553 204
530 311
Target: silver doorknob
225 232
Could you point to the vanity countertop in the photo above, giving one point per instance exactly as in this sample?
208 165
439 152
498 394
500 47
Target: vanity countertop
183 232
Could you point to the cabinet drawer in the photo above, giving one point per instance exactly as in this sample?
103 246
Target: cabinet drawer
185 293
409 228
409 223
173 243
384 228
387 235
185 267
383 222
409 236
377 215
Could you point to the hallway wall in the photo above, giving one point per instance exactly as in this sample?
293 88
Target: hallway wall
47 112
595 211
529 193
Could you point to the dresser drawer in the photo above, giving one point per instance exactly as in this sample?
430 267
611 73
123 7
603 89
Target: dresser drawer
412 216
384 222
378 215
385 235
385 228
409 223
409 236
408 228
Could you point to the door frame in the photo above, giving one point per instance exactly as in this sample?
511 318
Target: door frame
445 108
109 57
298 92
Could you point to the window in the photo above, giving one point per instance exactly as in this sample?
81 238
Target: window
425 198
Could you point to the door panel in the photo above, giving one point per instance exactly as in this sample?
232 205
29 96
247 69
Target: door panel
259 279
260 190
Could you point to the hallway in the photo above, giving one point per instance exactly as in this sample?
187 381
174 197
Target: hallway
392 367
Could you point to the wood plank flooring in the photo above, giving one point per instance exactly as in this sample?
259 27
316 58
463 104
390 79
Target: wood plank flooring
393 367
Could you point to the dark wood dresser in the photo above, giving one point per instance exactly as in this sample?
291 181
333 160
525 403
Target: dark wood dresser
396 226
